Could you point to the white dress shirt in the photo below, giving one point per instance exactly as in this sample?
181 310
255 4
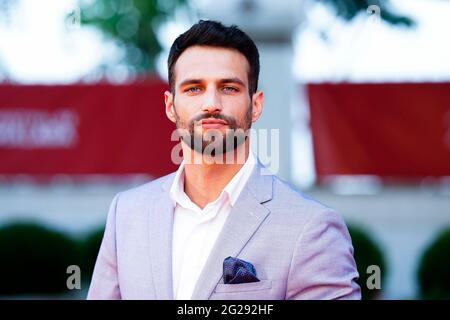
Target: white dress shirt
195 230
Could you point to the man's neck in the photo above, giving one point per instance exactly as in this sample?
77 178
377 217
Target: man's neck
204 182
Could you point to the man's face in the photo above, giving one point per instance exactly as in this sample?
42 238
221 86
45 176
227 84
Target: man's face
211 97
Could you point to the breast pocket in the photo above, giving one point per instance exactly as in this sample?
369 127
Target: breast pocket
244 287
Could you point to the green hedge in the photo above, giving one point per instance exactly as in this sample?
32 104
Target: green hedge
366 253
34 259
434 268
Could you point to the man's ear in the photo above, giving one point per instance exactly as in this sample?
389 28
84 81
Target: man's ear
257 105
170 108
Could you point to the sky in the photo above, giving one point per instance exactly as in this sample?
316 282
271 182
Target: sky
364 50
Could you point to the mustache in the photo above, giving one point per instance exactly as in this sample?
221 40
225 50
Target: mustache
219 116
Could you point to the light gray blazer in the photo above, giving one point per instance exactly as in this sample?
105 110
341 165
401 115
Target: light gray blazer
299 248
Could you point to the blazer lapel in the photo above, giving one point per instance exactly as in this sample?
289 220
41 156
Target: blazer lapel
160 237
245 218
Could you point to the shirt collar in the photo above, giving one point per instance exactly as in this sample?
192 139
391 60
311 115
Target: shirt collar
232 189
237 183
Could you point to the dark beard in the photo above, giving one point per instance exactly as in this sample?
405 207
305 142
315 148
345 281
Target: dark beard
217 142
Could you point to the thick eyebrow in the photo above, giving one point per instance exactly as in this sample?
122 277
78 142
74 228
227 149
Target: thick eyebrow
221 81
190 81
232 80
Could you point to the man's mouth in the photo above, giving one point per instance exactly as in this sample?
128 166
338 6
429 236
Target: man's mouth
212 123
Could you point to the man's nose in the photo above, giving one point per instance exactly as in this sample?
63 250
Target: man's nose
212 103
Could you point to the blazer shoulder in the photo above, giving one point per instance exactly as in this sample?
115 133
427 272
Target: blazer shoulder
149 189
296 205
285 191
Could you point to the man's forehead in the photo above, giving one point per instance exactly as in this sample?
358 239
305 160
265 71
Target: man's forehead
204 62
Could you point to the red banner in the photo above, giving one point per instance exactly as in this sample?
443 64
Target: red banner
389 130
85 129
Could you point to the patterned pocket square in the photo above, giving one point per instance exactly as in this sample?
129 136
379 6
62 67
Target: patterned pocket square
238 271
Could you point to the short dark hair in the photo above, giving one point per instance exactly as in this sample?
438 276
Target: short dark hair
215 34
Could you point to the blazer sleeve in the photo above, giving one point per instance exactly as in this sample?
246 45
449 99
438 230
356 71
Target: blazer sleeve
104 283
322 265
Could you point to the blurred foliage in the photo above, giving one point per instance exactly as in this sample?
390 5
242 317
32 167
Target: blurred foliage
133 24
434 268
348 9
34 259
366 253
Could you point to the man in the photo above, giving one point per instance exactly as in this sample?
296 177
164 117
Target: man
220 228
